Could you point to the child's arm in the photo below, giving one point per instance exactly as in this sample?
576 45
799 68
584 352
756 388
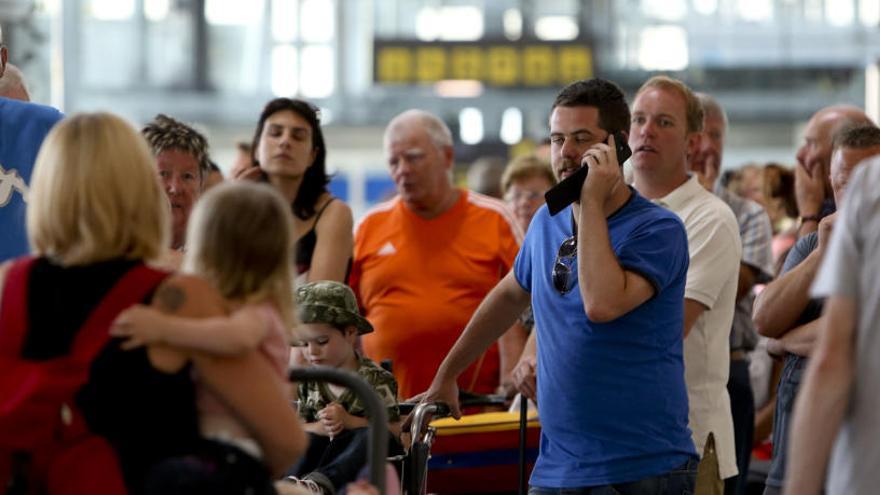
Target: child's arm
228 336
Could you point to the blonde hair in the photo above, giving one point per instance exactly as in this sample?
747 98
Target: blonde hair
525 167
240 238
693 107
95 194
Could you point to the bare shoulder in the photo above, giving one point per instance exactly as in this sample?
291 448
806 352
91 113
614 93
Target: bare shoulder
188 295
337 216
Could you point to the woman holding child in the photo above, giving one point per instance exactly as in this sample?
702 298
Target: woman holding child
96 215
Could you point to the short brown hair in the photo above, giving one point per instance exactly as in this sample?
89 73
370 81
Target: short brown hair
166 133
859 136
525 167
604 95
693 107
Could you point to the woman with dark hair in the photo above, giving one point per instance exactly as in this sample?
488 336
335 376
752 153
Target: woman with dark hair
289 150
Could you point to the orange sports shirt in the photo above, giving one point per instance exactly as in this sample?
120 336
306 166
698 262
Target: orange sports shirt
419 281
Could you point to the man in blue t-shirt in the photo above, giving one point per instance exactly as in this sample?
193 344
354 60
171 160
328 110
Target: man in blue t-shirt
606 279
23 126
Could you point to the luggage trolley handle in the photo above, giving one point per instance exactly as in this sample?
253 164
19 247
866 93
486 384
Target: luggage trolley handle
429 410
377 416
422 438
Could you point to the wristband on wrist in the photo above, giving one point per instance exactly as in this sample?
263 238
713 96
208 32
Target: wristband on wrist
810 218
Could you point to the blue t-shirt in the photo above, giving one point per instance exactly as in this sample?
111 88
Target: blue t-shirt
22 129
612 396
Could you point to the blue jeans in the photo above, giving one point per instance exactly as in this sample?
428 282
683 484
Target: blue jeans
679 481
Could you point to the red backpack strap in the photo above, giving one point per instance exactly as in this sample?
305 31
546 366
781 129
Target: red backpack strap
132 288
13 306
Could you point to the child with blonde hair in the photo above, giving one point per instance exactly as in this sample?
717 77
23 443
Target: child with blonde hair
240 238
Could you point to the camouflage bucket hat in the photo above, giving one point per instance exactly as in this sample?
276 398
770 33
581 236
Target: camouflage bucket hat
332 303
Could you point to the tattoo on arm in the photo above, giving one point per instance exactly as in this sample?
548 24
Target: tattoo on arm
171 298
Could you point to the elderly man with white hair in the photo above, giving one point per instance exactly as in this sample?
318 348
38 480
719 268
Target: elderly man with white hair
424 260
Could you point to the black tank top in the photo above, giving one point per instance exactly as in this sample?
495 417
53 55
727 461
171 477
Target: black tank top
146 415
305 246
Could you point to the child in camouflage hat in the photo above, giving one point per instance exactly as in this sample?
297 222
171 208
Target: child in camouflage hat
334 416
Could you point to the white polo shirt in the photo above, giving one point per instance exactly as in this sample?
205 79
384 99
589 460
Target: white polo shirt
715 250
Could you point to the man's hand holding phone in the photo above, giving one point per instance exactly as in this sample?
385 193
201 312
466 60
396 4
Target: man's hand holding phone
604 173
571 188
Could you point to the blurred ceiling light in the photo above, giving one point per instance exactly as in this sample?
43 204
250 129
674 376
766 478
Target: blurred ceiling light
450 23
111 10
511 126
470 122
284 20
706 7
226 13
755 10
427 27
317 23
840 14
513 24
869 12
666 10
156 10
284 65
663 48
556 27
316 72
458 88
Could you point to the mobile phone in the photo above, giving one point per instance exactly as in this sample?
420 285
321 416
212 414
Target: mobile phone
569 190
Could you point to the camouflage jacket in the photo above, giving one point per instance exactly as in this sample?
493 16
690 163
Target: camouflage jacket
314 396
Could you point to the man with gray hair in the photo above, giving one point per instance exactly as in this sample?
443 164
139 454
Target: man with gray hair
756 266
23 126
424 260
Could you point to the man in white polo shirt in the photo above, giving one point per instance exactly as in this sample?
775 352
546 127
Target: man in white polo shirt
666 122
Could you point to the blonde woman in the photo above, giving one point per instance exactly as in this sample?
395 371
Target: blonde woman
96 214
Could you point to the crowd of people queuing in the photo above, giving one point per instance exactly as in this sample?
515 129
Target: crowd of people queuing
668 322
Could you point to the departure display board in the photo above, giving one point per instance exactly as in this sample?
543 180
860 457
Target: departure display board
528 64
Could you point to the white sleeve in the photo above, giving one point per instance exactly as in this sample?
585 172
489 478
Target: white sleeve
715 252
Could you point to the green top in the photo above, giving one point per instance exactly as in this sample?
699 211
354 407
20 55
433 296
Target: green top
315 396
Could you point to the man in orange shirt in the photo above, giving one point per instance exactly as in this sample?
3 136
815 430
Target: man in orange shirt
424 260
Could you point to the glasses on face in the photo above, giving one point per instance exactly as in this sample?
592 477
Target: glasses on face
514 196
562 267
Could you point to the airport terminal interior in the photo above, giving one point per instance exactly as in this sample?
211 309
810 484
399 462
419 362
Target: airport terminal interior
490 68
734 220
